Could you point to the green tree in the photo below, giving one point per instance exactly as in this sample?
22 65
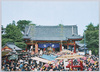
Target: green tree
60 25
2 28
21 45
5 40
90 27
13 32
92 38
22 23
13 22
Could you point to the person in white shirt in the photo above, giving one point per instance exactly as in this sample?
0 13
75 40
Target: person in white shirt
20 60
41 52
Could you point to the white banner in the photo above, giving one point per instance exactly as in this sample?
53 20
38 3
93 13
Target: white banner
66 63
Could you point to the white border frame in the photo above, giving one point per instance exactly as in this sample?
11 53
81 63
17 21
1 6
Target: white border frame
47 0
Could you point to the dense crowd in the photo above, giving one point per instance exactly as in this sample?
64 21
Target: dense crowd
90 63
25 63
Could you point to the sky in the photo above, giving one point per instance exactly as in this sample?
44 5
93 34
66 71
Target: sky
52 13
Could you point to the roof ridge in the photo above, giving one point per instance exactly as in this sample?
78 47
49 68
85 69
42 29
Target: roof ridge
54 26
28 30
9 43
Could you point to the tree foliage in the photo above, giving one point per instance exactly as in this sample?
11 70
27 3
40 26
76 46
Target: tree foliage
92 38
5 40
60 25
22 45
22 23
2 28
13 32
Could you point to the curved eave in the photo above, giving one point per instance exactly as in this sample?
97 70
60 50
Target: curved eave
75 39
26 37
48 39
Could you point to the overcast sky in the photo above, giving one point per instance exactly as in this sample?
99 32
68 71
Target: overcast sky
52 13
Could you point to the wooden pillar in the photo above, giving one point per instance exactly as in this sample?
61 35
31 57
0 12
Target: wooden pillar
44 49
36 48
60 47
72 64
74 47
81 65
67 46
54 49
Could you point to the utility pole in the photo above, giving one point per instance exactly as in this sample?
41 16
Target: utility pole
32 45
61 34
84 42
32 30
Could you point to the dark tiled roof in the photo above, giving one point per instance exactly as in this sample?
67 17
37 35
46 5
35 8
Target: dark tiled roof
51 32
81 45
74 37
12 46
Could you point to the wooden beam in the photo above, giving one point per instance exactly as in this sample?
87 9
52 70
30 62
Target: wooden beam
60 47
54 49
75 39
36 48
74 47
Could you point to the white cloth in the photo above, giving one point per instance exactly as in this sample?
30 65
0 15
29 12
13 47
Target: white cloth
17 67
62 47
66 63
31 48
41 52
37 62
26 62
89 52
35 69
21 61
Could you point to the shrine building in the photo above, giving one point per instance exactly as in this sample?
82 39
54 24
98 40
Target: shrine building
54 37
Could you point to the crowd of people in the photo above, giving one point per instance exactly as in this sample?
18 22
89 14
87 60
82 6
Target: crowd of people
25 63
90 63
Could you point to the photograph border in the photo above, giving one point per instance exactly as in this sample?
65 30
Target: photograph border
47 0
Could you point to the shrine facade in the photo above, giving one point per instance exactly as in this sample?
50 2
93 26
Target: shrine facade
51 36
